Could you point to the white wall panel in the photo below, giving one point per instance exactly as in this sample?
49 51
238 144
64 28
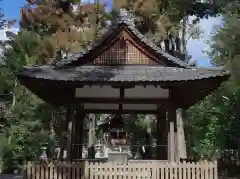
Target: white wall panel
101 106
139 106
97 92
146 92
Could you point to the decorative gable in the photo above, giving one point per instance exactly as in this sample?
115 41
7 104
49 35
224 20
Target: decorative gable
124 44
123 51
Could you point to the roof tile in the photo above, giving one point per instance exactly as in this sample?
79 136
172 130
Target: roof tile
133 73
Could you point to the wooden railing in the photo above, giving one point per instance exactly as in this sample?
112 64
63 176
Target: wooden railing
151 170
143 162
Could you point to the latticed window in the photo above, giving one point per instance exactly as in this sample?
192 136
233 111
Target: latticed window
121 51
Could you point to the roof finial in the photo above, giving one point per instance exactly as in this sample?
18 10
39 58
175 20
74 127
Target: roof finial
125 17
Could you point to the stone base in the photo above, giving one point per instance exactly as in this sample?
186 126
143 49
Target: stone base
118 157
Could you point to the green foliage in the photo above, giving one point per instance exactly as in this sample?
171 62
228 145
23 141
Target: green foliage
214 123
27 116
26 133
62 27
205 122
21 50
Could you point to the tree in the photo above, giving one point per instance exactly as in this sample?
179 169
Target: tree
225 51
63 25
22 131
215 121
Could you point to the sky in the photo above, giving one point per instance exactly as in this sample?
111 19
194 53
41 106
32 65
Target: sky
11 8
196 48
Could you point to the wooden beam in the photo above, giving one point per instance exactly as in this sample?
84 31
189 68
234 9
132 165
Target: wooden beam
113 111
125 86
121 100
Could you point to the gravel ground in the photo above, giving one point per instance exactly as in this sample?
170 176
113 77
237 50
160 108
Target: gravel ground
11 176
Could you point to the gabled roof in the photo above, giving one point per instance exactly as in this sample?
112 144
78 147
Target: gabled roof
124 22
189 84
56 84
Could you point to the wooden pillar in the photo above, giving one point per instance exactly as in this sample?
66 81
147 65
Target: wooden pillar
70 113
162 132
77 133
180 137
171 135
91 132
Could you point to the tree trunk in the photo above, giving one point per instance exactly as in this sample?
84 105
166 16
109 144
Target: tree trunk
98 24
184 44
184 34
51 125
14 93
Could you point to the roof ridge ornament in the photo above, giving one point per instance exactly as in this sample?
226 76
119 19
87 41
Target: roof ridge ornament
126 17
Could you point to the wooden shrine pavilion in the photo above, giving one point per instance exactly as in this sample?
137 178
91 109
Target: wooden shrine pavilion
123 72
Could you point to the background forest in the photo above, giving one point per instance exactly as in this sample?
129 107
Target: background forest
52 26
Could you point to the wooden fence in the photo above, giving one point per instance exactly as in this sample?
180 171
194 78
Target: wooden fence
151 170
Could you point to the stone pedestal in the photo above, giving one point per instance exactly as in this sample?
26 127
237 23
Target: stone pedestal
100 153
118 157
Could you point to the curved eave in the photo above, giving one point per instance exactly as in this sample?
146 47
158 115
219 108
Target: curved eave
49 94
185 93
